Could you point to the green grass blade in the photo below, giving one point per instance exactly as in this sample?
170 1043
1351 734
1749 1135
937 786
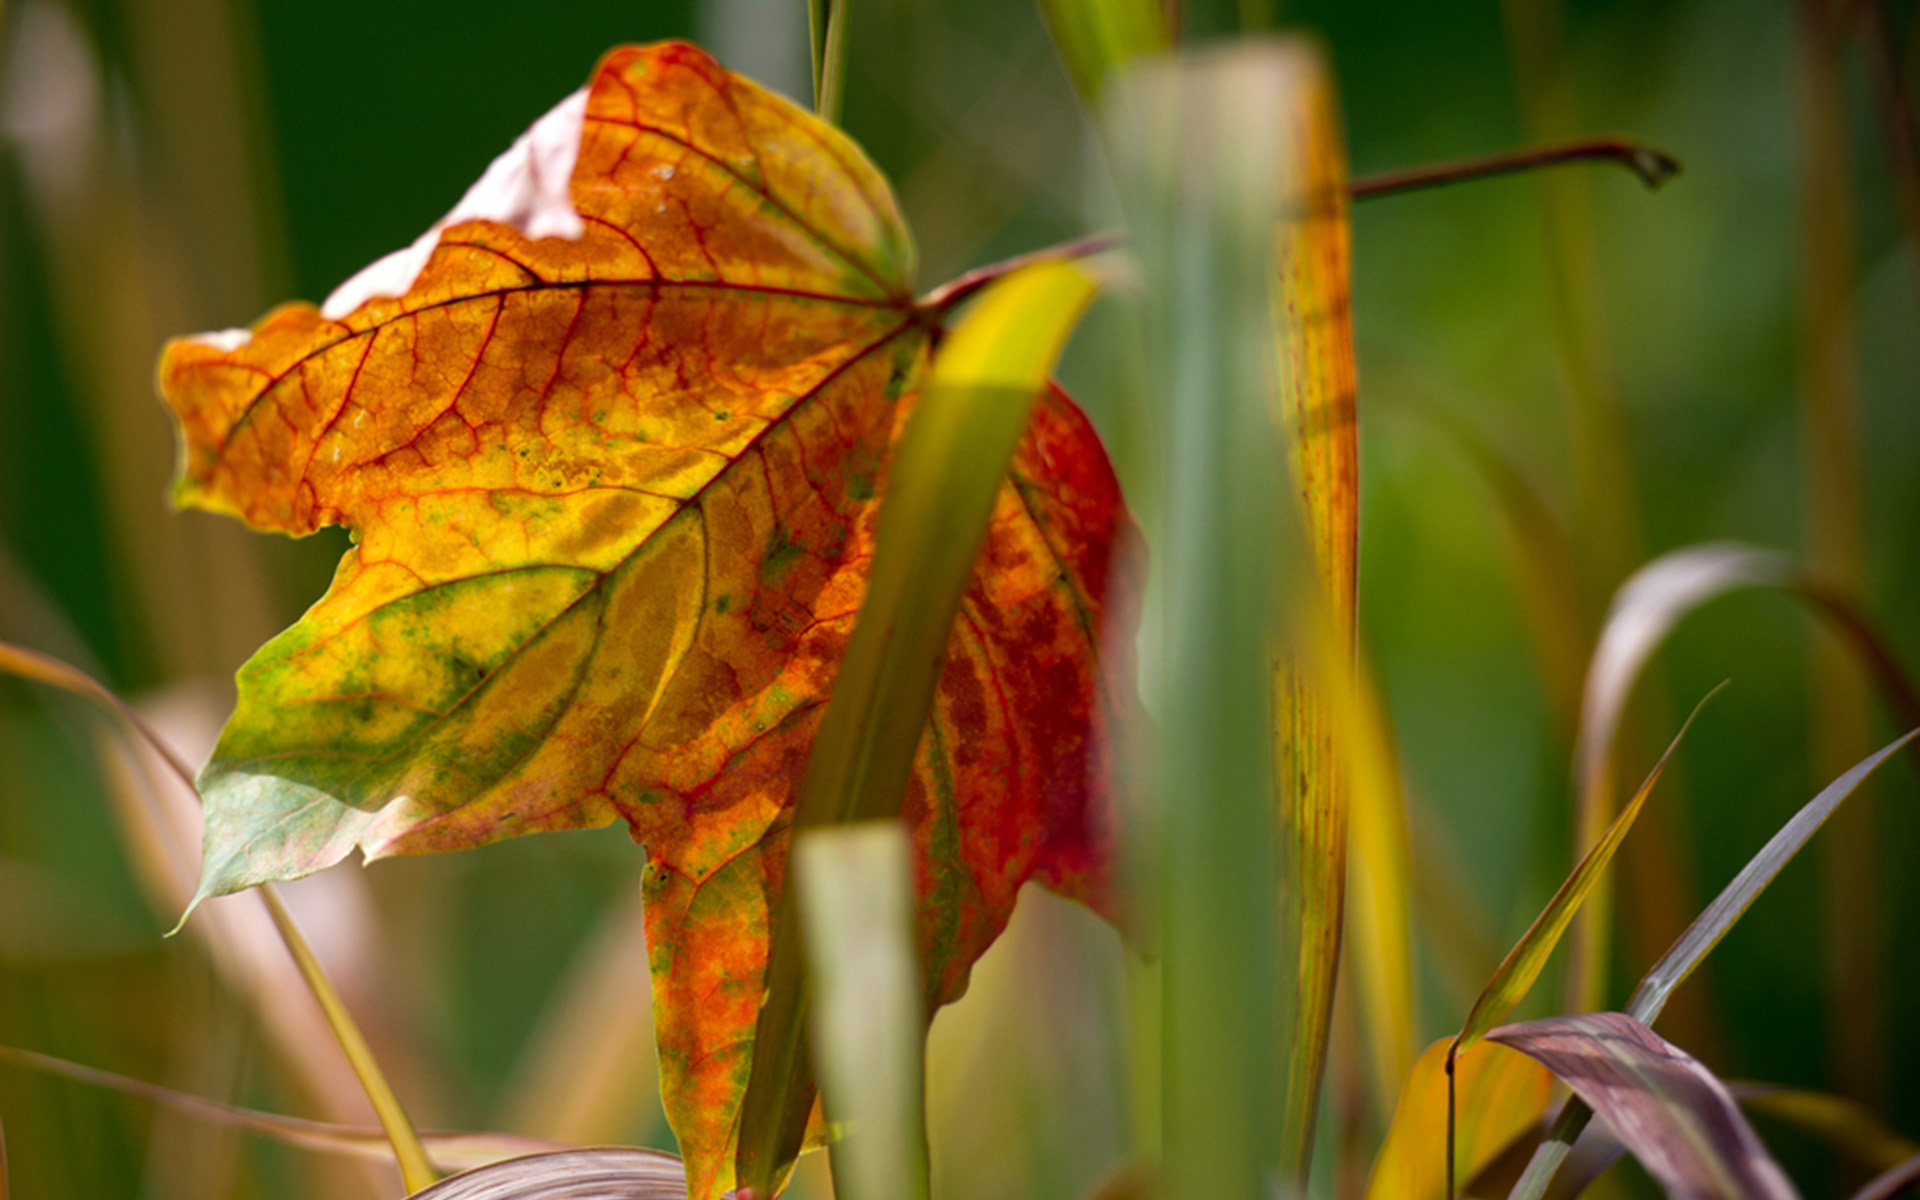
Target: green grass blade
1521 967
946 471
1206 191
1676 1118
1734 900
855 885
827 29
1095 37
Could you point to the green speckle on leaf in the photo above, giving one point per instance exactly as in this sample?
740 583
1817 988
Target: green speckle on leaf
781 553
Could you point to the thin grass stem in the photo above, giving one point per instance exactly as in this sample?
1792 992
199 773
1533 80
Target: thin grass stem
416 1169
1654 167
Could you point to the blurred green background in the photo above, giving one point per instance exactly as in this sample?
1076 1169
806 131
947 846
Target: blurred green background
1737 356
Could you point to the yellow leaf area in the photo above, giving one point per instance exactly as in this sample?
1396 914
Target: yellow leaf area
1499 1095
613 500
1315 370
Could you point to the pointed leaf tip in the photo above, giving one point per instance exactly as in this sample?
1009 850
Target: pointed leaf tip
1522 966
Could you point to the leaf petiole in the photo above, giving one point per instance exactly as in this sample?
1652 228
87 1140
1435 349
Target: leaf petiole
962 287
1654 167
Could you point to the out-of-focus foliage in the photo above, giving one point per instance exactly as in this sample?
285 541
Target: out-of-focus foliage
1636 362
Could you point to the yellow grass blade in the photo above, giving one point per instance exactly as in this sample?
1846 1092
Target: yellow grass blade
1501 1093
415 1167
1379 927
1517 972
1333 755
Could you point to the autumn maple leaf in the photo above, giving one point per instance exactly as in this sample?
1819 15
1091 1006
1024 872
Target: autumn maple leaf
610 440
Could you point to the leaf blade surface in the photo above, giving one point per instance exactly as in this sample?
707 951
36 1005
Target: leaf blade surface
614 500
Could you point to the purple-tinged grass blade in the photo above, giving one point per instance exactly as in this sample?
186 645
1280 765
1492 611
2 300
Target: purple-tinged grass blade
1702 936
1645 610
1885 1186
595 1173
1676 1118
1734 900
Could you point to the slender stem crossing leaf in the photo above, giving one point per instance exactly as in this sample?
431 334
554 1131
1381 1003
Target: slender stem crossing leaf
949 466
1503 1094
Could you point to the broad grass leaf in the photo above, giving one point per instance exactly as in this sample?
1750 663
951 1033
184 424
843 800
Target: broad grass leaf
1676 1118
1501 1094
1205 192
613 499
